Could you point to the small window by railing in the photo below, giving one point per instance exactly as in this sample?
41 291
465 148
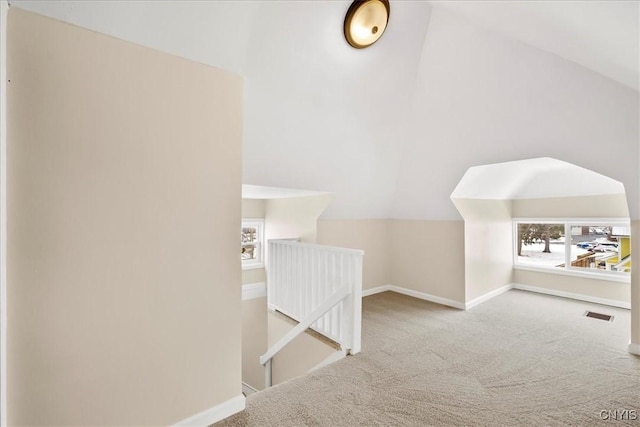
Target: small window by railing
575 246
252 246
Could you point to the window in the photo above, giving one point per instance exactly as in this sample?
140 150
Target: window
575 246
252 247
540 244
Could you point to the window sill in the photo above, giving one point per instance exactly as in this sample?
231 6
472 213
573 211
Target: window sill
608 277
252 266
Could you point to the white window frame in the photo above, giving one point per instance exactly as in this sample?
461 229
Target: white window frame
250 264
568 270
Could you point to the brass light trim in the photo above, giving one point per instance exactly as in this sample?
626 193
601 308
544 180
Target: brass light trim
365 22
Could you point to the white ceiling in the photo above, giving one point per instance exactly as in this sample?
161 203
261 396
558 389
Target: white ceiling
600 35
391 129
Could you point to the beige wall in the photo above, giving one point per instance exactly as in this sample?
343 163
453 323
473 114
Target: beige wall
423 256
299 356
254 275
4 10
254 341
123 214
428 257
488 246
371 235
253 209
294 217
576 285
395 253
603 206
465 260
488 257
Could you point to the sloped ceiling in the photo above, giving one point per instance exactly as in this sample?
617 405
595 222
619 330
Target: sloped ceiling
319 115
391 129
600 35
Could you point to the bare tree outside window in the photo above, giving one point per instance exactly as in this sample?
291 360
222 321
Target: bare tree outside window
529 234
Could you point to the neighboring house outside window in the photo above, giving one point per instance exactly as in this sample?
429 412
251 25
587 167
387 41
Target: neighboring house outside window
574 246
252 243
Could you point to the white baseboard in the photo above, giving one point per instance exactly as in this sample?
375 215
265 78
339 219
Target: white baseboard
634 348
492 294
254 290
247 389
487 296
415 294
437 299
373 291
571 295
215 414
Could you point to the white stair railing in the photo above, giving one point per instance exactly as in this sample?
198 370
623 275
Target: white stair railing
320 287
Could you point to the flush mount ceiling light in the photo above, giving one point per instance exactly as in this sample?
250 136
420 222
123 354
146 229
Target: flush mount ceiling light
365 22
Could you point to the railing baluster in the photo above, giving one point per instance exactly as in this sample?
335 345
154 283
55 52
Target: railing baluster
308 280
307 283
337 259
287 293
302 277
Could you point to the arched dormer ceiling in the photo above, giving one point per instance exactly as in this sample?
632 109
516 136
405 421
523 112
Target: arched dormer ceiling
533 179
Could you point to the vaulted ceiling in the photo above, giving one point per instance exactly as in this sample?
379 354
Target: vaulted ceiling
392 128
600 35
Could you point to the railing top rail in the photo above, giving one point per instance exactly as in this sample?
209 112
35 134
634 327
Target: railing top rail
289 242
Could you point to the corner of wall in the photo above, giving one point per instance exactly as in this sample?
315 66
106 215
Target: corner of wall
427 256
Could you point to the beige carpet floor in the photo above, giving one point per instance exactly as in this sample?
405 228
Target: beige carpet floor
518 359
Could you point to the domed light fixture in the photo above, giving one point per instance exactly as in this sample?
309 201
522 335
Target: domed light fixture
365 22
